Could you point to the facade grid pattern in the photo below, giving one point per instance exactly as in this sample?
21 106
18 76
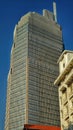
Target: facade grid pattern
33 99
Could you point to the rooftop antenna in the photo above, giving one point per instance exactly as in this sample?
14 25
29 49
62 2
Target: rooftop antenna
55 11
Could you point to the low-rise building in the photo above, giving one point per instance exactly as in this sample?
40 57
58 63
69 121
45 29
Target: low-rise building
40 127
65 83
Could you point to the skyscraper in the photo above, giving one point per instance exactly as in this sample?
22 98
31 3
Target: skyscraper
31 96
65 83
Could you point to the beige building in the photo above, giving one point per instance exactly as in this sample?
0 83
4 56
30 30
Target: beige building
65 83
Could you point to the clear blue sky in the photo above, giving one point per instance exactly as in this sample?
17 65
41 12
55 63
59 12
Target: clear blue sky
10 13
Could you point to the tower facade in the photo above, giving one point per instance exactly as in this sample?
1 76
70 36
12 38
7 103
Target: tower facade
65 83
31 96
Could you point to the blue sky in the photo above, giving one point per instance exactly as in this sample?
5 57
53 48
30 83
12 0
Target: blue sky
10 13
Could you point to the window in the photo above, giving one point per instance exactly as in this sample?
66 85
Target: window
11 71
72 103
63 65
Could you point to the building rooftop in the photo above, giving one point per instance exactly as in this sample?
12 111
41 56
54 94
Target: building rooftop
68 67
62 55
40 127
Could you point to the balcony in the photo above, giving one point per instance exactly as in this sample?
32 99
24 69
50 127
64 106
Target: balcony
71 106
64 98
65 112
70 91
71 110
69 78
66 123
65 116
71 118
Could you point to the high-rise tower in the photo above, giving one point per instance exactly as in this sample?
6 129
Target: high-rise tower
31 96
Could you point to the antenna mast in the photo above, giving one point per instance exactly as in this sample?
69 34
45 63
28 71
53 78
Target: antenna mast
55 11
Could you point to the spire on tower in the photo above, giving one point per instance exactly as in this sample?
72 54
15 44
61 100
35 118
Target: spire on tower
55 11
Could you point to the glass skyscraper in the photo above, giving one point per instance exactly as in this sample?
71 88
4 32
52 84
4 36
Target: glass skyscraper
31 96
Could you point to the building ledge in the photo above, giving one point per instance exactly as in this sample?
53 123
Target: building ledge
62 55
65 71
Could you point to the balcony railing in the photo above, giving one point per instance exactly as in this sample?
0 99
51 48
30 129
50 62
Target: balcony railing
64 98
